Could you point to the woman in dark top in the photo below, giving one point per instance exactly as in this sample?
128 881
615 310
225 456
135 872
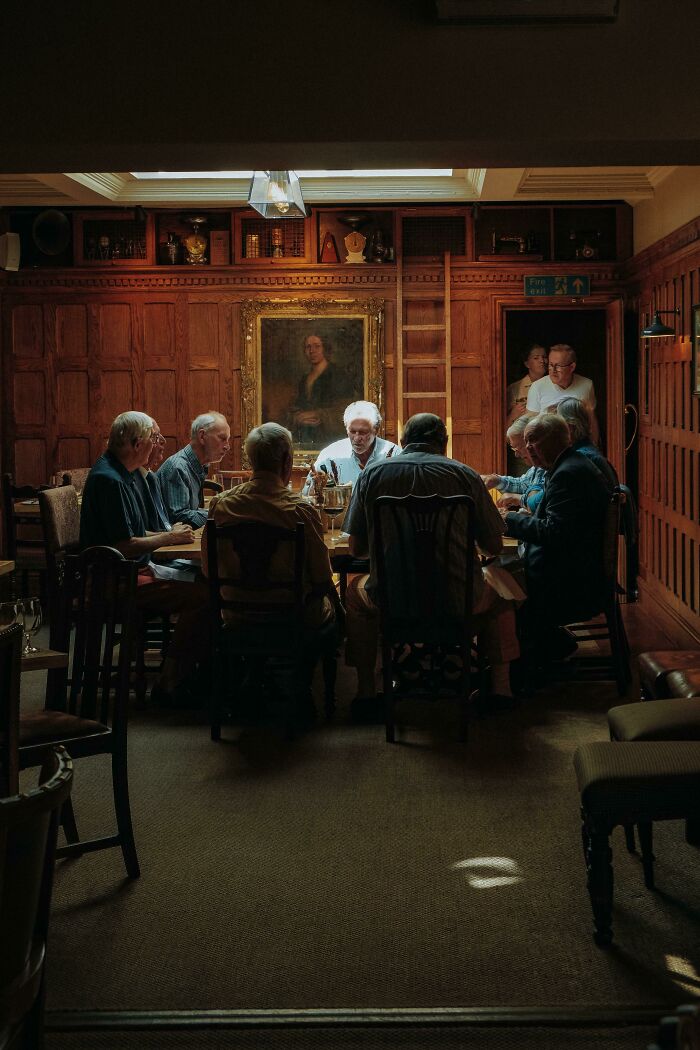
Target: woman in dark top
317 412
577 417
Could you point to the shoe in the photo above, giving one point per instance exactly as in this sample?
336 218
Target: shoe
368 710
179 699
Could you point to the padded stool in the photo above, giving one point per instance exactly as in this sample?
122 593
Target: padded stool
630 783
657 720
655 666
684 683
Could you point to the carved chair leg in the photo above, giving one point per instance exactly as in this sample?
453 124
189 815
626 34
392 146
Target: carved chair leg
70 828
645 844
598 855
122 810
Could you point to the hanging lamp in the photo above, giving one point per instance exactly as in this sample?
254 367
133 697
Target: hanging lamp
277 195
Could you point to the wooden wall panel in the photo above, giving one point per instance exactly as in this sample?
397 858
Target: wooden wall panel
73 452
30 398
159 330
115 332
117 395
161 399
204 343
71 328
203 391
27 331
73 398
31 463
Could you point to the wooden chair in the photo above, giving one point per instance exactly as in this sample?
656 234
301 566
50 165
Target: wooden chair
609 625
424 558
28 828
90 717
10 670
268 614
23 536
60 520
210 486
627 784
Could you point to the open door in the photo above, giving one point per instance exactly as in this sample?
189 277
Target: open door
615 402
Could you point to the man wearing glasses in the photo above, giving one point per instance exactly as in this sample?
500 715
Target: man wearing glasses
562 382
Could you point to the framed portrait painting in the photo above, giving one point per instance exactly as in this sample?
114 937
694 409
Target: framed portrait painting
695 358
305 360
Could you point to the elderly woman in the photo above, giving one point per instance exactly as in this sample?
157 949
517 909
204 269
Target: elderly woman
577 417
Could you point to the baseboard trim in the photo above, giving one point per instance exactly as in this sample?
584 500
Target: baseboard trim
467 1017
668 619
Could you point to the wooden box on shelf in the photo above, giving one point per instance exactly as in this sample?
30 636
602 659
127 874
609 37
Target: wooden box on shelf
375 225
265 242
113 238
427 233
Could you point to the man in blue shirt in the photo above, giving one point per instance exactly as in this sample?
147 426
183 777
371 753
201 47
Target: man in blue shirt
182 475
113 514
345 460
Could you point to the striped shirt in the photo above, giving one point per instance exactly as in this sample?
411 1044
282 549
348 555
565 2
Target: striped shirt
180 478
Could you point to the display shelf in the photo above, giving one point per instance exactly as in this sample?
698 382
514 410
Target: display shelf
376 225
108 238
174 227
259 241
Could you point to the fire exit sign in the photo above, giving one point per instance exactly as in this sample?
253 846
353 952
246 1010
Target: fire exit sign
550 284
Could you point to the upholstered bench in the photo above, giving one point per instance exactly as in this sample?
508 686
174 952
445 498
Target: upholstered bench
657 720
630 783
684 683
655 666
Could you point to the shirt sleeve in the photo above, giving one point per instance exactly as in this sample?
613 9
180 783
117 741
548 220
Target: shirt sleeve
177 496
533 398
355 523
590 400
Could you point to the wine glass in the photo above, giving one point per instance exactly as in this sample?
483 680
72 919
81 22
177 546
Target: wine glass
31 620
9 614
335 501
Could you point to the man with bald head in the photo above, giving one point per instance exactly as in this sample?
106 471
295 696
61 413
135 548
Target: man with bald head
563 540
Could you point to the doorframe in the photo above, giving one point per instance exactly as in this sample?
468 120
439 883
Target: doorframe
613 306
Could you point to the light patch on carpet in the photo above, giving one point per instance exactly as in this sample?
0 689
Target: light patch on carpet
685 974
478 867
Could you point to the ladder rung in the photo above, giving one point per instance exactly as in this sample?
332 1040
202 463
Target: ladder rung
423 327
427 393
434 361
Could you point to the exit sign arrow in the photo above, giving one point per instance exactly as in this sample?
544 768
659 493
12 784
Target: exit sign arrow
557 284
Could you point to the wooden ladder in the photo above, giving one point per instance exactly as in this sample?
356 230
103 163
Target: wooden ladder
404 397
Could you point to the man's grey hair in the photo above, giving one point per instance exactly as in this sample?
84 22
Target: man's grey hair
362 410
267 447
577 415
129 428
205 421
565 348
550 427
518 425
425 429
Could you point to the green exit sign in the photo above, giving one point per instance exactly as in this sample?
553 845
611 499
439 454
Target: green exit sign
550 284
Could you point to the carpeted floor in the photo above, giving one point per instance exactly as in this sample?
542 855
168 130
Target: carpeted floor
338 871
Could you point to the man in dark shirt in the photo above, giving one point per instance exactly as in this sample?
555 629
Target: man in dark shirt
423 469
112 514
563 540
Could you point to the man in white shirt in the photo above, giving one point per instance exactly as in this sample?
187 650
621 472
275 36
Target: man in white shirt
345 460
562 382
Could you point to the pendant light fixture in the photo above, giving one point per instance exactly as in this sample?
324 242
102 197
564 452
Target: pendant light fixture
657 329
277 195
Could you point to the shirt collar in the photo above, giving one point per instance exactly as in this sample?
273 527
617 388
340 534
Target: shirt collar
115 461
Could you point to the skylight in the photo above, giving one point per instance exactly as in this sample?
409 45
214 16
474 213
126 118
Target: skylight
335 173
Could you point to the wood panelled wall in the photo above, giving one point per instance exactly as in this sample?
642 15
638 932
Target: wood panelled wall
80 347
666 276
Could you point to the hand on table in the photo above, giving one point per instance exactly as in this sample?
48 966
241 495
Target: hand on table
490 480
181 533
510 502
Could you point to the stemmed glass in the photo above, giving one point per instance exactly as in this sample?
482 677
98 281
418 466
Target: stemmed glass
335 501
31 621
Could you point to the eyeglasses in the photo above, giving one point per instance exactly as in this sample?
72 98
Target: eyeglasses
560 368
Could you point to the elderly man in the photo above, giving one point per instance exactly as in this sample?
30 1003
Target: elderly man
524 491
112 514
149 488
344 460
266 498
563 541
182 475
562 382
423 469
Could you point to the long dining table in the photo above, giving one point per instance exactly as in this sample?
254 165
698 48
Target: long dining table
193 551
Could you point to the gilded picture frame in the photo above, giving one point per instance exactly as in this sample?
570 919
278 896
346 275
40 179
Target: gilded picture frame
304 360
695 355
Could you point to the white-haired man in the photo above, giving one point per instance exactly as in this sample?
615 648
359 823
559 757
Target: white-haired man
344 460
182 475
265 498
112 514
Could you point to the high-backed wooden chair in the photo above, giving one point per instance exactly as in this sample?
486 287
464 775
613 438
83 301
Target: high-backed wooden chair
90 716
10 669
424 559
28 827
258 616
22 532
60 519
75 476
609 625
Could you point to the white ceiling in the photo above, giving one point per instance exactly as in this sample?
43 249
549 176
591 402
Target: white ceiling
123 189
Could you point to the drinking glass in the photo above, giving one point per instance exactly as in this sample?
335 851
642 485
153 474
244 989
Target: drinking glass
335 501
9 614
31 620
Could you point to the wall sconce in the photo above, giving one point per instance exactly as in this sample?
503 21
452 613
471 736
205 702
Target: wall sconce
277 195
657 329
